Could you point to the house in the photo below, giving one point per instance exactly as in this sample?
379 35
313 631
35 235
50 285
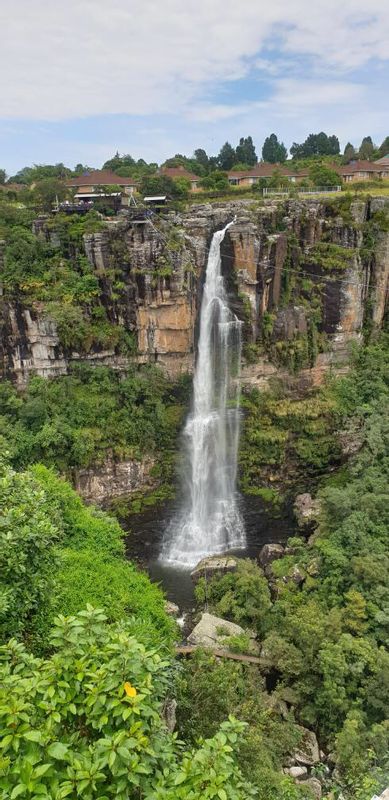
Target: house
363 171
355 171
181 172
251 176
92 184
384 160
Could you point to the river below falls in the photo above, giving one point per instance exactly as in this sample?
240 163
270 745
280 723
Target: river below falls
145 532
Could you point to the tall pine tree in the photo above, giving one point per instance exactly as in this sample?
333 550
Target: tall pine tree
245 152
273 151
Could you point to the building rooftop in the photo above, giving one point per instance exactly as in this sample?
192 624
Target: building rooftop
178 172
384 160
101 177
260 170
359 166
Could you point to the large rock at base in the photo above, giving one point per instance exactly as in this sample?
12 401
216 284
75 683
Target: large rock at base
314 785
296 772
172 609
307 752
269 553
214 565
306 510
211 631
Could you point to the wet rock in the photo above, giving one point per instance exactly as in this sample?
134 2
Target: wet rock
172 609
296 772
297 576
314 785
307 752
306 510
211 631
101 483
214 565
169 713
269 553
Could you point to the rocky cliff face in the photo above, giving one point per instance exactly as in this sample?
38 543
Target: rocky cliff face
298 273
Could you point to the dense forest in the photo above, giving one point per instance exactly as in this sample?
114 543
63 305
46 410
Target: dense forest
87 658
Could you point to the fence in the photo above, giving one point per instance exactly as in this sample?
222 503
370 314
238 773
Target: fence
302 190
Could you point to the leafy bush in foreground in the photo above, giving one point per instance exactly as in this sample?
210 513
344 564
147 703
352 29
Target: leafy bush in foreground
87 722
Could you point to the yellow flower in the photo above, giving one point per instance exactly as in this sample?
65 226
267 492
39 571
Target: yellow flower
129 690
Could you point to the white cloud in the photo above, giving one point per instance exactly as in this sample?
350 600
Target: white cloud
90 57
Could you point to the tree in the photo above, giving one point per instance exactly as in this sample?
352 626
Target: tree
321 175
119 161
3 176
245 152
383 150
82 169
40 172
202 158
227 157
216 181
161 185
366 150
88 722
316 144
349 153
273 151
47 191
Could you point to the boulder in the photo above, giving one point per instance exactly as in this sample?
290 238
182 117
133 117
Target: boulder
297 576
214 565
307 752
306 510
314 785
296 772
211 631
172 609
270 552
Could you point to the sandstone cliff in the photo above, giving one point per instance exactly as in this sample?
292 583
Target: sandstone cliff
300 274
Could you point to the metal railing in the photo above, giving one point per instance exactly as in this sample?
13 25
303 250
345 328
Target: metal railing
285 192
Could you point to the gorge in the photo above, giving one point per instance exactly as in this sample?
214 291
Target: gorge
119 340
305 278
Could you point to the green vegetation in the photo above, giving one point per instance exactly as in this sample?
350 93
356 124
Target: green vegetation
87 722
330 257
325 635
94 413
52 269
316 144
273 151
287 440
208 690
58 555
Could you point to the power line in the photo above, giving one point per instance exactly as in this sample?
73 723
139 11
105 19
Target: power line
289 270
286 270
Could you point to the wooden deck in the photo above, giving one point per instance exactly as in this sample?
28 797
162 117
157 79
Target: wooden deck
187 649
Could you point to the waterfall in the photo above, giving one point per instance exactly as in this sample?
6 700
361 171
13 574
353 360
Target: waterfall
210 521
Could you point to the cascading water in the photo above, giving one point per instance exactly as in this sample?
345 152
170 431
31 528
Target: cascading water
210 521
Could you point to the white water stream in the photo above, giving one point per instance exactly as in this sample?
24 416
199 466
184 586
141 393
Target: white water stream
210 521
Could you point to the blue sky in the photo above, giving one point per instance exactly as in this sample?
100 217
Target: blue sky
86 78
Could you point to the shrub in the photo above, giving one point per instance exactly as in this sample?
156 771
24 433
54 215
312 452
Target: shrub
88 722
